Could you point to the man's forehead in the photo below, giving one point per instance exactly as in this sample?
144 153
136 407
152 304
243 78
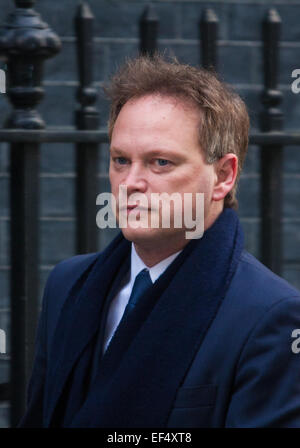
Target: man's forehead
154 119
158 98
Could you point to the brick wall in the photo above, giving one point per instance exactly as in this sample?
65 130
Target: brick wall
116 29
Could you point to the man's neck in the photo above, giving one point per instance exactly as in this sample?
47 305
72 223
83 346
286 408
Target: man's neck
155 255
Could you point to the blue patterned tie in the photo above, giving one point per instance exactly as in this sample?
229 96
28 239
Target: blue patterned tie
141 284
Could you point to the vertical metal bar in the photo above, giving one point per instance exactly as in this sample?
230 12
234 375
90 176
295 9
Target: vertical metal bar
25 64
271 156
24 198
149 24
209 24
86 117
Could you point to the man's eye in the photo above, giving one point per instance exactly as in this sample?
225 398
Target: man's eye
120 160
163 162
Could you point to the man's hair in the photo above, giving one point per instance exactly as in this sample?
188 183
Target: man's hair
224 123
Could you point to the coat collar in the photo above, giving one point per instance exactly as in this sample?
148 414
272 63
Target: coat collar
80 317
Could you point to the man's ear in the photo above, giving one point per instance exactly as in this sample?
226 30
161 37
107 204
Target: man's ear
226 170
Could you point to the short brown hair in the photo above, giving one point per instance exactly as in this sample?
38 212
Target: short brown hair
225 122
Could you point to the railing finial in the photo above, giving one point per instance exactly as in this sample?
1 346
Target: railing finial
272 97
273 16
149 24
86 116
84 11
209 34
26 41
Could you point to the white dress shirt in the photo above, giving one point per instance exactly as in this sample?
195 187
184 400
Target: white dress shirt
119 302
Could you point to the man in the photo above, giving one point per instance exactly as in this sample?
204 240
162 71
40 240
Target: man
160 330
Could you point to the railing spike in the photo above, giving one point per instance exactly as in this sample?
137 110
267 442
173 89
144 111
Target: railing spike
150 14
84 11
26 41
209 24
86 118
271 156
209 16
149 24
272 16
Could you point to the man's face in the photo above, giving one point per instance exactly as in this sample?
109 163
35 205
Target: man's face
155 149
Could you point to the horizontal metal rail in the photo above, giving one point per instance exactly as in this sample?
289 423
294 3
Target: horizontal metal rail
100 136
53 136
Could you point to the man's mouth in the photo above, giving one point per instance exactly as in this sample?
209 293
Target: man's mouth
131 207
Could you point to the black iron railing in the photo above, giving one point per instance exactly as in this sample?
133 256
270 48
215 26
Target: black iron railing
26 42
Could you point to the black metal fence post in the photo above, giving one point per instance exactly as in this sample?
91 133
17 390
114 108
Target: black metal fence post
209 34
25 41
271 156
149 24
86 118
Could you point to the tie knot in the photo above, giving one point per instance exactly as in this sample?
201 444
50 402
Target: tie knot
141 284
143 276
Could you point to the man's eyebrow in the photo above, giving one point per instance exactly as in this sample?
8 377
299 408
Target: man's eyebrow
158 152
165 154
116 150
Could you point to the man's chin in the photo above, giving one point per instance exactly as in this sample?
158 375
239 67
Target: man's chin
139 234
153 237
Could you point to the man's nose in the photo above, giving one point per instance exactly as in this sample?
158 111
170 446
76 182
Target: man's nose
136 179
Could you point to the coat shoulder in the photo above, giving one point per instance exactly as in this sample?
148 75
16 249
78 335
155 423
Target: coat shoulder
60 282
258 285
70 269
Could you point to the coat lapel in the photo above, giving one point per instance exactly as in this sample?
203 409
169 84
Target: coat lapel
80 319
153 348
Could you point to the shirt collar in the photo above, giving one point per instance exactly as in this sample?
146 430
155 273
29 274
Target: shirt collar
137 265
